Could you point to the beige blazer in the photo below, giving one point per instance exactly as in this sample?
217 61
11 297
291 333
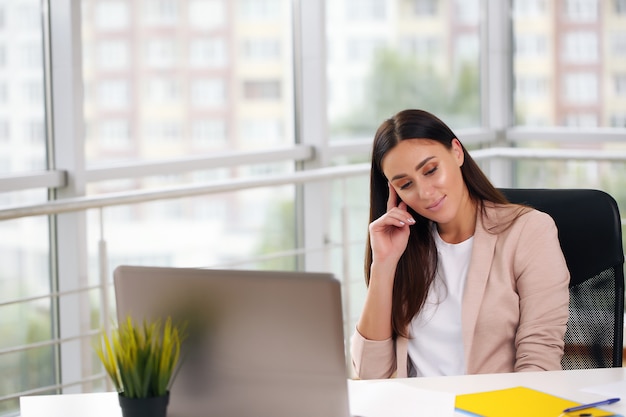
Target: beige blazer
515 304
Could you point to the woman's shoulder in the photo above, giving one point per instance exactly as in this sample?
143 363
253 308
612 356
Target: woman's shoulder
497 217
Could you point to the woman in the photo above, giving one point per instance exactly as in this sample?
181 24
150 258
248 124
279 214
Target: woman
459 280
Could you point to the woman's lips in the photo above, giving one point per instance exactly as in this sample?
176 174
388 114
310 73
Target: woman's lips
437 204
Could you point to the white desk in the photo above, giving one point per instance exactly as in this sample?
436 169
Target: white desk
567 384
571 385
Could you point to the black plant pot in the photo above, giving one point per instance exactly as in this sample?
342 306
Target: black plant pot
144 407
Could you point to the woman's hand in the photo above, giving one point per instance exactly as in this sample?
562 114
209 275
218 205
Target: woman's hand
389 234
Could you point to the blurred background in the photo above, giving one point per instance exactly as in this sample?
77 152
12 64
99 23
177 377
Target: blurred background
236 134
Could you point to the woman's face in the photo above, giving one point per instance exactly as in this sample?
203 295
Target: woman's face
427 177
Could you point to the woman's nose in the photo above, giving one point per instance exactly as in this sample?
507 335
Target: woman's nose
425 191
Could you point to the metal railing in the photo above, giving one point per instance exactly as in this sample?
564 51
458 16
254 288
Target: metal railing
239 184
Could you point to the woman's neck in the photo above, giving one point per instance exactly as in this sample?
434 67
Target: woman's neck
463 226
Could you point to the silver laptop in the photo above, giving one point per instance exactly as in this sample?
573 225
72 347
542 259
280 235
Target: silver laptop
260 343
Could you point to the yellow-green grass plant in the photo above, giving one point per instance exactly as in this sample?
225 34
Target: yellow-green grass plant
141 359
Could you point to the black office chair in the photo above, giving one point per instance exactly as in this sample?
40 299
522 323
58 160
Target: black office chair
590 234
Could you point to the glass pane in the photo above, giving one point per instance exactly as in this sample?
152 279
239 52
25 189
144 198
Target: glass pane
252 229
24 243
570 63
385 56
601 175
22 111
350 217
166 78
26 370
24 274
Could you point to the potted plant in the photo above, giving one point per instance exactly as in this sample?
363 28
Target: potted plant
140 359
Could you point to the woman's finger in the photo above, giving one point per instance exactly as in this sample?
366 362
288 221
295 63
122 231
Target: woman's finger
392 201
397 216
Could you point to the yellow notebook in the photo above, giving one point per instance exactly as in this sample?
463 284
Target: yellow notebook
519 402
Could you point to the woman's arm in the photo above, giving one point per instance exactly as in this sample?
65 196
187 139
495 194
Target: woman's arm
542 284
389 235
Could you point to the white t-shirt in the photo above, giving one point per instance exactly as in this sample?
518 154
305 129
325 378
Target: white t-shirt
436 340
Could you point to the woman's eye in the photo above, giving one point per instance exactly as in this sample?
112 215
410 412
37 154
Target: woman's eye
405 186
431 171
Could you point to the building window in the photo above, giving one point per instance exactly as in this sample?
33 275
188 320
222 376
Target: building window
618 44
529 8
112 15
581 120
5 133
162 90
581 47
468 11
3 17
256 131
34 162
208 92
31 55
5 165
115 134
260 10
34 132
160 12
206 14
3 55
467 47
365 10
531 45
209 52
113 55
619 82
362 49
261 90
32 92
162 131
210 208
618 120
208 133
161 53
420 46
581 88
29 16
425 7
530 87
113 94
260 49
4 93
581 10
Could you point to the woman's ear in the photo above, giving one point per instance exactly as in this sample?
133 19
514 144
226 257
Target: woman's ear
457 150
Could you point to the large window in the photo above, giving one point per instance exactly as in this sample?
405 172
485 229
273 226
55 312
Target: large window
570 50
26 312
176 96
186 79
386 56
184 54
576 84
162 79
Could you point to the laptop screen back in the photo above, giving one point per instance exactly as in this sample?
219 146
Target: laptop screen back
259 343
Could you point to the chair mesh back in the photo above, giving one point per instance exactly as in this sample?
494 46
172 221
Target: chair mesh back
589 339
594 337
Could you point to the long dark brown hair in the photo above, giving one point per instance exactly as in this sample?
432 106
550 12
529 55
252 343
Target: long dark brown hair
418 264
